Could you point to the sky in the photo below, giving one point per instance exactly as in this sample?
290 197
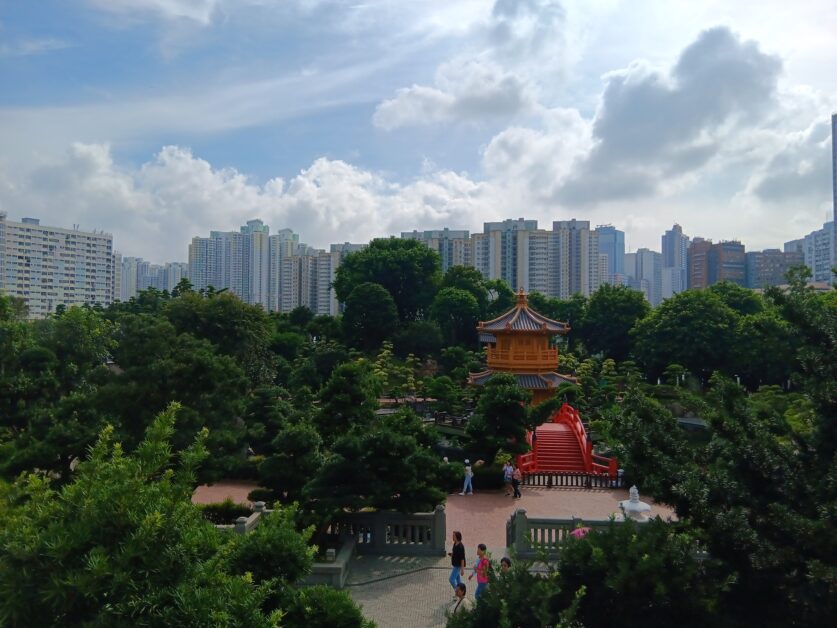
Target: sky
160 120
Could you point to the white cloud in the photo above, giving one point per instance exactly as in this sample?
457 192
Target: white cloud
27 47
467 90
155 209
199 11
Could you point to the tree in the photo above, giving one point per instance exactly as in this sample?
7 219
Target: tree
420 338
470 280
765 352
348 400
407 269
295 459
611 313
501 418
122 544
742 300
160 366
370 316
457 312
647 442
500 297
389 465
693 328
239 330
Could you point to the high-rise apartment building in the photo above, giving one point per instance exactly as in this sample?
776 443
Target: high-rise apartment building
137 274
51 266
834 173
556 263
612 244
453 246
675 246
709 263
698 263
500 251
820 255
727 262
649 270
238 261
256 280
582 257
768 267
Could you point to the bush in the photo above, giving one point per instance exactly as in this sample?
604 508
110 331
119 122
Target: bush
324 607
488 477
245 469
453 475
225 512
262 495
274 549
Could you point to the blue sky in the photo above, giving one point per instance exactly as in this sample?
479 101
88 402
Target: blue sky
158 120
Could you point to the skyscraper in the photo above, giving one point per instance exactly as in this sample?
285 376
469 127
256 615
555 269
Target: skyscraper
612 244
675 246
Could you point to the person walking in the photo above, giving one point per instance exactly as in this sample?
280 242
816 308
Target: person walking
457 560
468 487
481 570
508 469
517 478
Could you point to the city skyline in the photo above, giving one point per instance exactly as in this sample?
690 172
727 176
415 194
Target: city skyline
153 118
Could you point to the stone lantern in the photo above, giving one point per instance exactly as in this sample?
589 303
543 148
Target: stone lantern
634 509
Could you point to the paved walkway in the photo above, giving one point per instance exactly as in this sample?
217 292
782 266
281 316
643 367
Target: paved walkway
236 490
414 591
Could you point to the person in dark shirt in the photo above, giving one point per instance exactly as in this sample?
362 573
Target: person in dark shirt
457 560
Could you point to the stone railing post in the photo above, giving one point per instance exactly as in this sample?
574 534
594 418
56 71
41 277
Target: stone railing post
260 506
521 531
241 525
439 529
379 531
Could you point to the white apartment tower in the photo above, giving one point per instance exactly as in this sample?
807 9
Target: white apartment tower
51 266
453 246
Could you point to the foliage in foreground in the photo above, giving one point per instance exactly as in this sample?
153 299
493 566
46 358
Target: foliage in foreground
122 544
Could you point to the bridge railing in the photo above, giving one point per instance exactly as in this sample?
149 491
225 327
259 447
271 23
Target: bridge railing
573 479
393 533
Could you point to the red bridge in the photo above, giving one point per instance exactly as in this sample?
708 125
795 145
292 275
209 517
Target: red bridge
561 445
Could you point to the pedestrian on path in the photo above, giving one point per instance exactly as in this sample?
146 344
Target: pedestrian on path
505 564
481 570
517 478
460 602
508 470
457 560
468 487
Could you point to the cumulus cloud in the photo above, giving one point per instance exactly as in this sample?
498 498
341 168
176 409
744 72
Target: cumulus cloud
155 209
495 79
466 90
799 170
652 126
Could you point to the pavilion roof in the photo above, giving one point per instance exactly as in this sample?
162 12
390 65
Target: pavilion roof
523 318
531 381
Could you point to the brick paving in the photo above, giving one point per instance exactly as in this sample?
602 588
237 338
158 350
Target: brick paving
236 490
418 599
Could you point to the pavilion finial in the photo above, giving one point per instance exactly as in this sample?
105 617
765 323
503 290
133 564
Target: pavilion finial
521 298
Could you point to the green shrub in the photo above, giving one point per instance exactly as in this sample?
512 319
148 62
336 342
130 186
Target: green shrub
225 512
324 607
274 549
262 495
453 475
488 477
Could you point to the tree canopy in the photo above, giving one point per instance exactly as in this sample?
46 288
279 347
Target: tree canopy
407 269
